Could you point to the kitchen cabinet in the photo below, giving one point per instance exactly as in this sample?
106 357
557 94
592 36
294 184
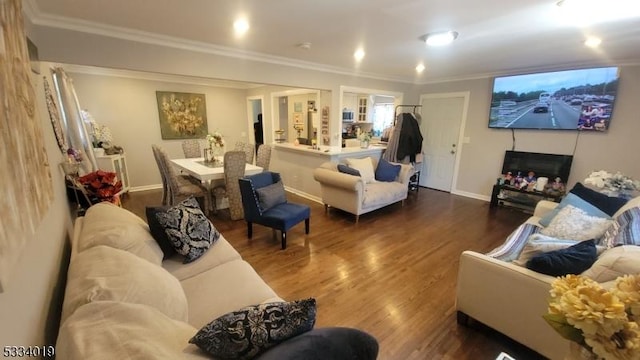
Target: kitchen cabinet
363 102
117 164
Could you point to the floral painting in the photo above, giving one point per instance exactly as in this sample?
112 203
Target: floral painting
182 115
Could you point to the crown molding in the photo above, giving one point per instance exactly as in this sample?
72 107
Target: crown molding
37 17
152 76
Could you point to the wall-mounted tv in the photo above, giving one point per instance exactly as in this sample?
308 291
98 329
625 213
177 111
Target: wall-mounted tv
547 165
560 100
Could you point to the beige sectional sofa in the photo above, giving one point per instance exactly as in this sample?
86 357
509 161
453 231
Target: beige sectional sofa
352 194
512 299
124 301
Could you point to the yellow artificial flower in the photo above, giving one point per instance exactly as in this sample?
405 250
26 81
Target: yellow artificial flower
627 289
624 344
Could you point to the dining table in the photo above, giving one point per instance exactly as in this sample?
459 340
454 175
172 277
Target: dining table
209 171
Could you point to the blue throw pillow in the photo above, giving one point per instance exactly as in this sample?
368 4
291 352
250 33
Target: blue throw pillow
387 171
575 201
608 204
347 170
572 260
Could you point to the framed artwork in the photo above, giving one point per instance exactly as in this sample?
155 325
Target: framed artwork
182 115
297 107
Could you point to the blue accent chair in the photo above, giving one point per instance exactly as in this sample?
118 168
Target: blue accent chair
280 217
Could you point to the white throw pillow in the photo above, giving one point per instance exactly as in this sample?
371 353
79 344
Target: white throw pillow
365 167
572 223
615 262
104 273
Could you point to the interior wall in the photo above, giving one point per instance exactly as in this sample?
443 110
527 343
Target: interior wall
481 159
128 106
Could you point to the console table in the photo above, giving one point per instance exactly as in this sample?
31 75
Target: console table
523 199
117 164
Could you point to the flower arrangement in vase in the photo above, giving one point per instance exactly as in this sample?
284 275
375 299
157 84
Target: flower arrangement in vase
603 322
365 139
216 146
102 186
613 184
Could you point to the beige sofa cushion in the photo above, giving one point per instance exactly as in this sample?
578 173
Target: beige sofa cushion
114 330
225 288
104 273
110 225
219 253
614 262
381 193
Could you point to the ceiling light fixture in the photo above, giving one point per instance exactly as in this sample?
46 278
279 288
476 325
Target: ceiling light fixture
593 42
440 38
305 45
420 68
240 27
359 55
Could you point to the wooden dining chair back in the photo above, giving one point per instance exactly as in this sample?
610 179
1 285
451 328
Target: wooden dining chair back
191 149
249 150
264 156
234 166
183 186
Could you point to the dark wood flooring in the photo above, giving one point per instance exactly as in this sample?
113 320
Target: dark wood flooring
393 274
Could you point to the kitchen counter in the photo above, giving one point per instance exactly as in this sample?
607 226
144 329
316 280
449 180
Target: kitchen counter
372 150
296 163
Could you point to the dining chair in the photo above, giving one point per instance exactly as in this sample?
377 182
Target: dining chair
181 186
249 150
191 149
234 165
264 156
165 184
265 203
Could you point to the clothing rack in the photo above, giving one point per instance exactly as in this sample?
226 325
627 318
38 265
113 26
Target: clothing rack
395 112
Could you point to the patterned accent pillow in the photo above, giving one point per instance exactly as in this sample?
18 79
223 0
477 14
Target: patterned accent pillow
245 333
188 229
271 195
572 223
625 230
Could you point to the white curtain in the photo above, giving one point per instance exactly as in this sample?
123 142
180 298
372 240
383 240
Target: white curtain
78 138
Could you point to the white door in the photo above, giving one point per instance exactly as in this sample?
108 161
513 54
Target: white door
442 120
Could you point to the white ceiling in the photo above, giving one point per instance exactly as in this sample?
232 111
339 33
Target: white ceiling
495 36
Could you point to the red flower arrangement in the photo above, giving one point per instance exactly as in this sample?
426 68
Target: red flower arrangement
102 185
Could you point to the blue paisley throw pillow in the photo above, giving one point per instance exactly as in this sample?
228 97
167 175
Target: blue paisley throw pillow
188 229
245 333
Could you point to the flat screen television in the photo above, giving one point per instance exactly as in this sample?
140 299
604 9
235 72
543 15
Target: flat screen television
547 165
560 100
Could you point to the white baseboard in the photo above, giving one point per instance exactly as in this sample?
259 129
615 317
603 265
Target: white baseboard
472 195
304 194
146 187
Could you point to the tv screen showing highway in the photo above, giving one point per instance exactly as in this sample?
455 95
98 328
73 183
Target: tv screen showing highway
563 100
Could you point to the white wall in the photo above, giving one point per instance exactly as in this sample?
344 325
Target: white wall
481 159
128 106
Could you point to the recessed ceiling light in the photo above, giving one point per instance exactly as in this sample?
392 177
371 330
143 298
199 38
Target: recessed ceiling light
439 39
240 27
420 68
359 55
593 42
